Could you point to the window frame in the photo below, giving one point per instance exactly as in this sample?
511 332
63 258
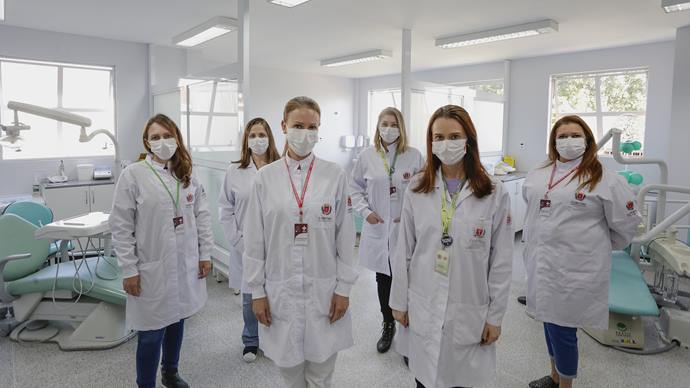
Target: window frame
187 114
60 84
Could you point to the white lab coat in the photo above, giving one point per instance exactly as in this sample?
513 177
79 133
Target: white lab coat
447 313
300 281
568 252
232 203
370 191
146 244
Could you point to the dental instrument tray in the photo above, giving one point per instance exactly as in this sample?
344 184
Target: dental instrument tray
88 225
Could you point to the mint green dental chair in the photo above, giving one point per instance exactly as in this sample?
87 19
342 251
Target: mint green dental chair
80 305
36 214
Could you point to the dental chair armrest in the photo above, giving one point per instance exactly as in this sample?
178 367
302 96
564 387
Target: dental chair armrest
5 297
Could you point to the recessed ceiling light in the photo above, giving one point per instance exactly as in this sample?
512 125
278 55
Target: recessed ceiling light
498 34
367 56
287 3
206 31
675 5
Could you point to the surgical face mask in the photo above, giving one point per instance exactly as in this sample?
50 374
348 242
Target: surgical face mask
389 134
259 145
164 148
301 140
449 151
571 147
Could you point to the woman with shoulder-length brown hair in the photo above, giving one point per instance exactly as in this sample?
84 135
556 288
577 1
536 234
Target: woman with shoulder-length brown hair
453 262
258 150
577 212
161 230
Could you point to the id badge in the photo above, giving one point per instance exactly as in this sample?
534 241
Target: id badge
394 193
301 235
178 223
545 207
442 260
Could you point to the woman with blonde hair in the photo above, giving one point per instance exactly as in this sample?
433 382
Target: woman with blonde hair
258 150
577 213
378 183
299 257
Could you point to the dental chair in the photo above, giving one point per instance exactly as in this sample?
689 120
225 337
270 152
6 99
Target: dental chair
37 214
80 305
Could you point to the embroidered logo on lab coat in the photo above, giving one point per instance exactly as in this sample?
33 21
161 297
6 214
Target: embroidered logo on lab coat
630 205
190 197
580 196
326 209
407 176
479 232
509 220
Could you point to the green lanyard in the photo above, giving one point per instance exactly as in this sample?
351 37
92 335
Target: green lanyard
448 214
176 201
389 169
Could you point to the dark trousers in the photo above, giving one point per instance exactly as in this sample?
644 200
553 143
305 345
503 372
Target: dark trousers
420 385
384 287
149 352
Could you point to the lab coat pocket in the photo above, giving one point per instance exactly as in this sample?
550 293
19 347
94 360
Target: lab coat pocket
152 279
477 236
374 231
322 296
469 324
418 313
278 301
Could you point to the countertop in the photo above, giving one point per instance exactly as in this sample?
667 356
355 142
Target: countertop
48 185
512 176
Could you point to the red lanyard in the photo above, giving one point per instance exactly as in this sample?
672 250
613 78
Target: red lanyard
300 200
551 185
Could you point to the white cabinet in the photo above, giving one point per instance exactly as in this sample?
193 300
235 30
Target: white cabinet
518 207
73 200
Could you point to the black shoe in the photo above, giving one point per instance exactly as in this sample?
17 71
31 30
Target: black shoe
173 380
249 353
544 382
522 300
386 337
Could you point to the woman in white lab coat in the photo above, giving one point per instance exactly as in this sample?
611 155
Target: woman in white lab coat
379 180
577 213
299 257
258 150
452 272
161 230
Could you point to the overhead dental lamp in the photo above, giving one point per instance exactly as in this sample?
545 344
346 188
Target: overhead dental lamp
57 115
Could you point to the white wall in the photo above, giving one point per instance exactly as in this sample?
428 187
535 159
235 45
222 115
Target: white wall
271 89
680 111
529 95
131 92
529 100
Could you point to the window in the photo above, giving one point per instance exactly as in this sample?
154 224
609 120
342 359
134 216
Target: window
84 90
211 115
604 100
483 101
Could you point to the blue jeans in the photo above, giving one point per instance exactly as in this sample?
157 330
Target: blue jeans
562 345
250 333
149 352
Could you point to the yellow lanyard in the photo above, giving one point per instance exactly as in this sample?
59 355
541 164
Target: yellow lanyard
176 201
389 169
448 214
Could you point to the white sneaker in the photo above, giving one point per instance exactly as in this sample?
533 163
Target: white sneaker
249 354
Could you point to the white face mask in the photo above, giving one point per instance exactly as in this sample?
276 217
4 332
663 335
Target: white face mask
389 134
449 151
301 140
259 145
164 148
571 147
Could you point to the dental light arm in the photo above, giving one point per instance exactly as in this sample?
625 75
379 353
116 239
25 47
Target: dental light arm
615 134
70 118
670 220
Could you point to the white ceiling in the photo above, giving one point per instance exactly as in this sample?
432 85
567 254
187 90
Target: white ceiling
297 38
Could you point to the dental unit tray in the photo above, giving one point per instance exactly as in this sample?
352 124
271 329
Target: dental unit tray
88 225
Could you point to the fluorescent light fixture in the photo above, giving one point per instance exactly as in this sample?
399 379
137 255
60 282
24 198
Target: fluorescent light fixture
498 34
211 29
675 5
287 3
368 56
2 10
